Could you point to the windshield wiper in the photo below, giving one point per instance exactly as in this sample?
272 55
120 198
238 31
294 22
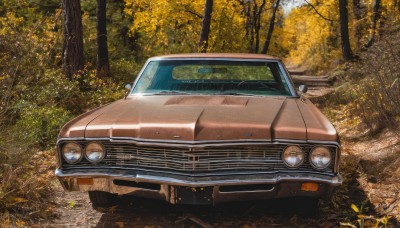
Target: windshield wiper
168 92
236 94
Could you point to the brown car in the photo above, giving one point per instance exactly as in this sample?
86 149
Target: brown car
203 129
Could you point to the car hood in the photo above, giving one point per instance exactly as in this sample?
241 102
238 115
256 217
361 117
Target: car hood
198 118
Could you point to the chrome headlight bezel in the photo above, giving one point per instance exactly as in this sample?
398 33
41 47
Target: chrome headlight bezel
298 150
79 149
313 164
99 145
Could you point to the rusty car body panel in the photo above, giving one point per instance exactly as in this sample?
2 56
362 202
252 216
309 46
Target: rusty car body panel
208 148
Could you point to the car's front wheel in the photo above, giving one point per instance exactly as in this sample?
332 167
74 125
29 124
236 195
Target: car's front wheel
101 199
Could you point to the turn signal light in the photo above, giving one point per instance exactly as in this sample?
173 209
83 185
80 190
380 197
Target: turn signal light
85 181
309 187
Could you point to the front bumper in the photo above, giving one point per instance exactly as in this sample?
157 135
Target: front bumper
199 190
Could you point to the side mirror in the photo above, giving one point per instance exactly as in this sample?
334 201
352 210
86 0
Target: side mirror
303 89
128 87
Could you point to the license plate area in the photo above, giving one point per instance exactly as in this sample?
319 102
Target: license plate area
193 195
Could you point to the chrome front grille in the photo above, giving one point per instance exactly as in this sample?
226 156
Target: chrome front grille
203 160
199 160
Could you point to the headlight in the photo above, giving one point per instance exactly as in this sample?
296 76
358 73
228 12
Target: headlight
293 156
94 152
72 153
320 157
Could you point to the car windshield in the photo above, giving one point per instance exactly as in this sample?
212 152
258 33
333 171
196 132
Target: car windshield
212 77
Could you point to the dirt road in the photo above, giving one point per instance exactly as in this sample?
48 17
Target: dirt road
74 210
152 213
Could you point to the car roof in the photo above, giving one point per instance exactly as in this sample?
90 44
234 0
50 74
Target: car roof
218 55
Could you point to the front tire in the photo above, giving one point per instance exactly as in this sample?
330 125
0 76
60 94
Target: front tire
101 199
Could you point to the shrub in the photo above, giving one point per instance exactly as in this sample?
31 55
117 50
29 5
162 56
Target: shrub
376 84
40 125
124 70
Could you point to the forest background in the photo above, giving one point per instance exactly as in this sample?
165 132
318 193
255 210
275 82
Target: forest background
52 71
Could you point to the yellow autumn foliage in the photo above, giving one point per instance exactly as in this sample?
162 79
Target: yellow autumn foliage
174 26
312 40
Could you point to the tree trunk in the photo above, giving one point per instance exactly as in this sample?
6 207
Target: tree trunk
375 17
103 65
205 26
249 25
344 30
270 29
72 53
253 25
258 25
358 14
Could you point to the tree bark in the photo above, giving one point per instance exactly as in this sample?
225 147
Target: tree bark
72 53
344 30
253 14
205 26
376 14
257 26
103 65
270 29
358 14
249 25
253 25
